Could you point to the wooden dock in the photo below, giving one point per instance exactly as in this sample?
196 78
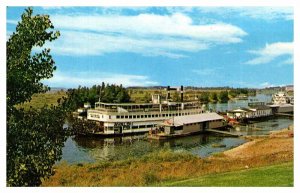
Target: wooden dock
170 136
284 114
223 132
165 136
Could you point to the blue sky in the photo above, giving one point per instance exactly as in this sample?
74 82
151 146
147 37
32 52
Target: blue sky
148 46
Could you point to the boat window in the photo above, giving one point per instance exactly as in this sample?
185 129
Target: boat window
130 116
142 116
126 116
178 128
138 116
118 117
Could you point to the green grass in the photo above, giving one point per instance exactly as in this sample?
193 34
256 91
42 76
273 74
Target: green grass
276 176
42 99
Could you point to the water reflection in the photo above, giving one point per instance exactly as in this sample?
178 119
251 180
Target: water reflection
78 149
263 127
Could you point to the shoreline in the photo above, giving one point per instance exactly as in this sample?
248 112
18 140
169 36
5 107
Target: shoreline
255 139
152 169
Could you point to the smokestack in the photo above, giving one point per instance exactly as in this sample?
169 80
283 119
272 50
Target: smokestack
181 93
168 90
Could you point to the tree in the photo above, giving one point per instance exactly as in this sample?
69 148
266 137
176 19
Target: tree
147 97
25 69
34 138
107 93
204 97
223 96
213 97
34 143
233 93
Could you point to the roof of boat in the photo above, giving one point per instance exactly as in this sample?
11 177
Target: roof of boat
187 119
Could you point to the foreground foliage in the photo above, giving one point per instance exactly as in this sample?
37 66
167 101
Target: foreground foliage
34 142
25 69
35 137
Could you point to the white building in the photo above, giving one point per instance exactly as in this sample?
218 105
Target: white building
250 113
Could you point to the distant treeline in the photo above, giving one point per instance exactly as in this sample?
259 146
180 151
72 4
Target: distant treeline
105 93
190 88
118 94
204 96
224 96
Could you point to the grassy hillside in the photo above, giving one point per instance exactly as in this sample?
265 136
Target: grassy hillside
42 99
275 175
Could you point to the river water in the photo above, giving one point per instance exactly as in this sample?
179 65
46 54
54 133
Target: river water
82 149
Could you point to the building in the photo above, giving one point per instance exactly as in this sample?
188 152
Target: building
254 111
190 124
289 88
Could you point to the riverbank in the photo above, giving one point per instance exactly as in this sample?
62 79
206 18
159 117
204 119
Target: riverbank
166 166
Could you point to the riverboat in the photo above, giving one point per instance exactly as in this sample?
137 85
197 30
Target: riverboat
130 118
282 103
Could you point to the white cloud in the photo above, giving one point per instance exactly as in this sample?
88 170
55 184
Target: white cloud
51 7
271 52
84 43
11 21
146 34
266 84
88 79
264 13
269 13
177 25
